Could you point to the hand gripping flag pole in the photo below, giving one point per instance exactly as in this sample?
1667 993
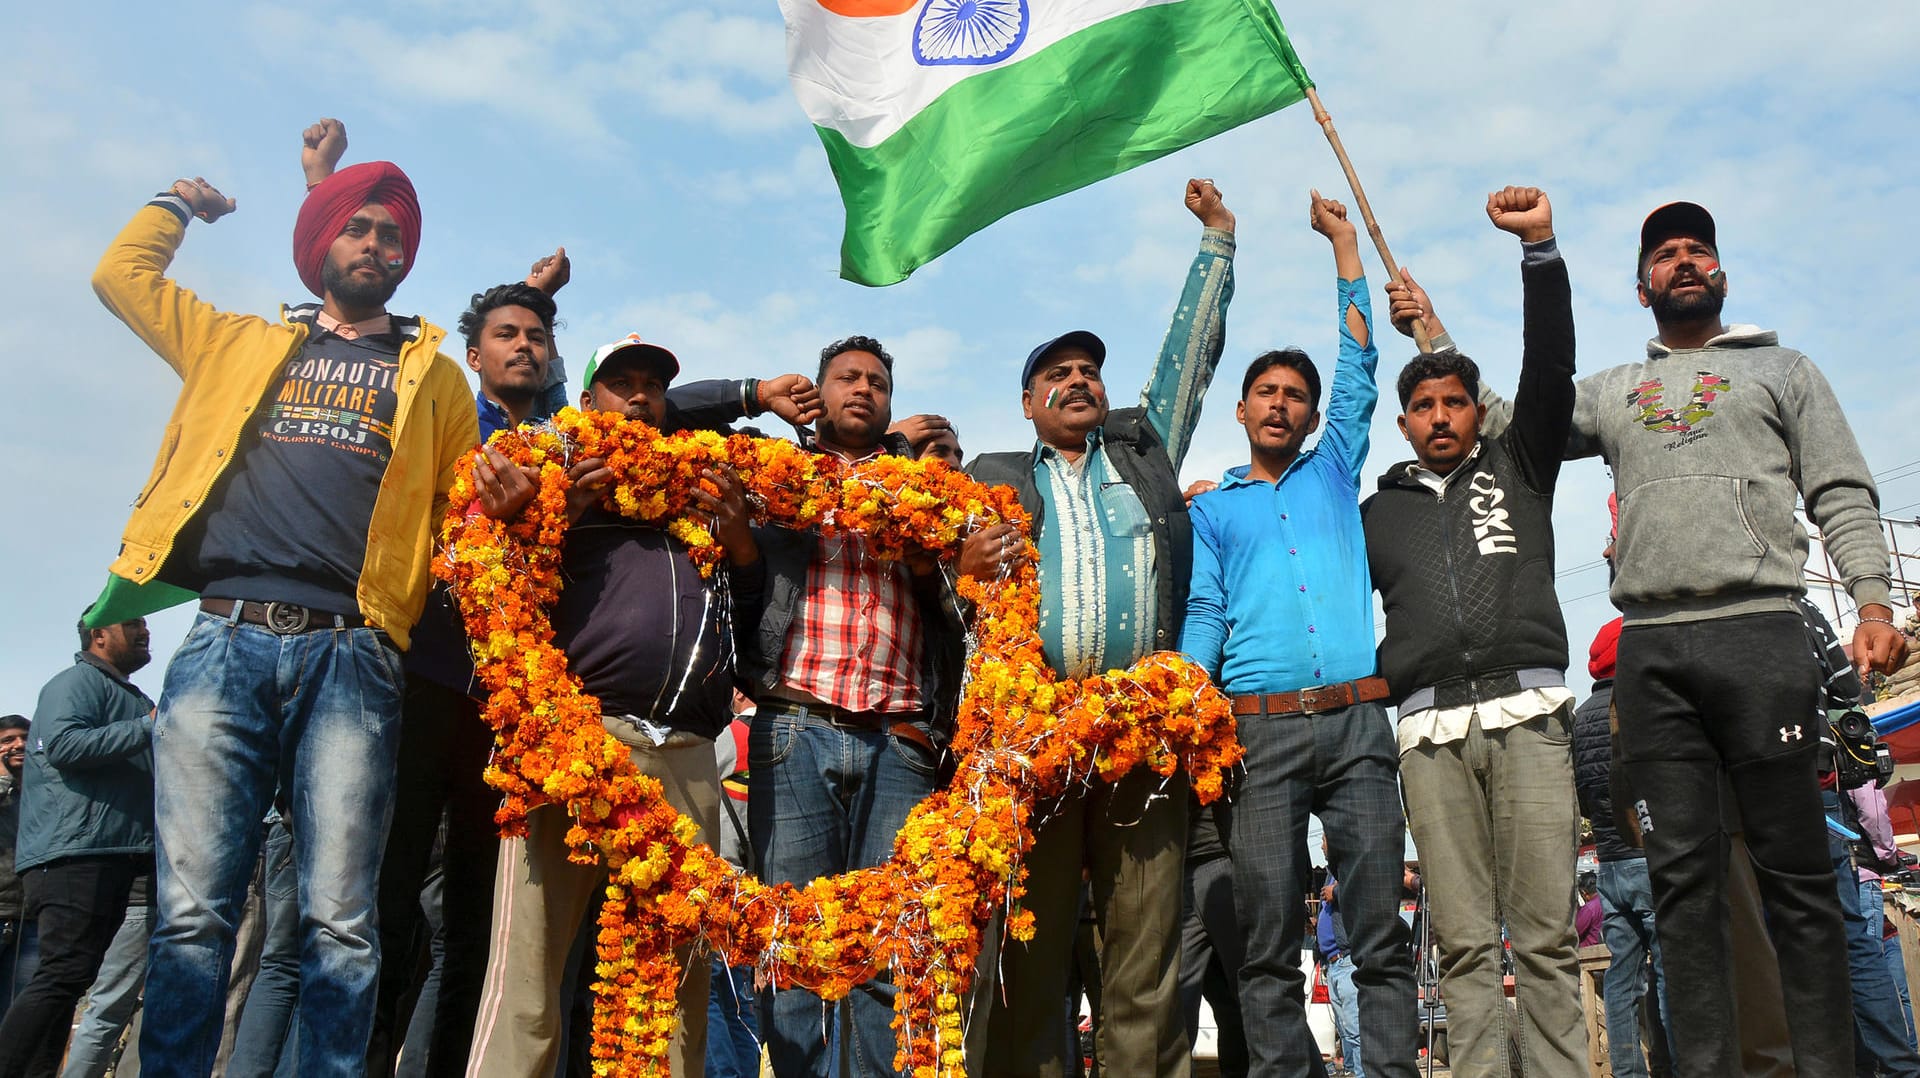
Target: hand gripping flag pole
1325 121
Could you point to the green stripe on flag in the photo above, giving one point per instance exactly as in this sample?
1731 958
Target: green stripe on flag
123 600
1116 95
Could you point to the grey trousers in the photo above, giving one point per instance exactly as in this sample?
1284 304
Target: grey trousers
1339 765
1495 819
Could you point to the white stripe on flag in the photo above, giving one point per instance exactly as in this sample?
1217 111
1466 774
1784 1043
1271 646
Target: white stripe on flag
860 77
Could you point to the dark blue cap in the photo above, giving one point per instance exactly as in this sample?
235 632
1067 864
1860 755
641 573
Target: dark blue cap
1079 338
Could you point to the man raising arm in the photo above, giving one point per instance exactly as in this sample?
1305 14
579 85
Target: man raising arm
1282 618
1460 544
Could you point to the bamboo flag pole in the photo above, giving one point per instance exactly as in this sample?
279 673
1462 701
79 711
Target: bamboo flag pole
1366 212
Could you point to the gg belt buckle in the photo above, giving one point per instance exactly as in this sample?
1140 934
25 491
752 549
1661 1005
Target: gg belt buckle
285 619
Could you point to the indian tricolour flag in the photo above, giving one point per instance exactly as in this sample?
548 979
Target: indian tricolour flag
943 116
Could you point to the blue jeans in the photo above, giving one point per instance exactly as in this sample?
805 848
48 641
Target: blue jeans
244 712
1877 1019
19 957
1880 1033
826 799
1626 895
261 1045
733 1042
417 1047
112 1000
1897 969
1346 1011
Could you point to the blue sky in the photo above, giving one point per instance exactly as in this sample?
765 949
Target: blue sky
661 145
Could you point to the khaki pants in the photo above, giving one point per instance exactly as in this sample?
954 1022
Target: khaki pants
1132 838
1497 827
539 899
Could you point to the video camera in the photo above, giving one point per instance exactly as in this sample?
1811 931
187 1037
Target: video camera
1858 756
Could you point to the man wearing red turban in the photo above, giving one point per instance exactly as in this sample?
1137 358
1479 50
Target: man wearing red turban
302 475
333 207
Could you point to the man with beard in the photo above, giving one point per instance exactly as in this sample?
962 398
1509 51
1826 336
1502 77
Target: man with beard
86 833
1712 438
1115 547
297 492
1282 618
1460 544
19 946
645 636
444 743
854 666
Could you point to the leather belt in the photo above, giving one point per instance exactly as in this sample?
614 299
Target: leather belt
1312 701
841 718
281 619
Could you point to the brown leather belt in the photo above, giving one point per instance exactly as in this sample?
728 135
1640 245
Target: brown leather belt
854 720
1314 700
283 619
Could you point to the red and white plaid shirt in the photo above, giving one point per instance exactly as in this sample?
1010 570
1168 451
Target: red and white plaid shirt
855 641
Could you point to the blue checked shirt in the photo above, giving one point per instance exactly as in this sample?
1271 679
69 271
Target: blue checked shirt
1281 598
1098 570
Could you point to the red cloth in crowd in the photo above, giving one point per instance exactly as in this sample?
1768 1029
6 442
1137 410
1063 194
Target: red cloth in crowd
1605 651
333 202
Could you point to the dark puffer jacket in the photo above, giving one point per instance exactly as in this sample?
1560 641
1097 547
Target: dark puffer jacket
1593 772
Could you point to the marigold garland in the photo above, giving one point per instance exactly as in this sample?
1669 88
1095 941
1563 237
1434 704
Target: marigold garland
1022 735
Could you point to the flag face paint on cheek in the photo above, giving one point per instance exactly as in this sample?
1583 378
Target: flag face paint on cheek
395 263
1714 272
1052 396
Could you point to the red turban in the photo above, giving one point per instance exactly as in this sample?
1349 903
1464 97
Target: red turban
334 201
1604 655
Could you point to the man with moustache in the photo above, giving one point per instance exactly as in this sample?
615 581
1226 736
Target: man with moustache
1281 616
1460 545
1712 439
444 743
644 635
854 665
1115 546
297 491
19 946
86 833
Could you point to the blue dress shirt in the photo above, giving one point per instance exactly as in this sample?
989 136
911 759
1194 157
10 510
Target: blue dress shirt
1281 599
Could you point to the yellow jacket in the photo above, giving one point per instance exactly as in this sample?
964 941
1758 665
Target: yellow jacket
228 362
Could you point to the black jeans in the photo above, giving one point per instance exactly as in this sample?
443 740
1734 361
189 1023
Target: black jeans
1341 765
443 753
1739 693
1211 949
78 903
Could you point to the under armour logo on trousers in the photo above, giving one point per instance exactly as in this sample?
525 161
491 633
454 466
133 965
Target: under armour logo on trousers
1789 733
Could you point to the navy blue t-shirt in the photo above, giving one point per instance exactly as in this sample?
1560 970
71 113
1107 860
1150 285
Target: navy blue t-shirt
288 521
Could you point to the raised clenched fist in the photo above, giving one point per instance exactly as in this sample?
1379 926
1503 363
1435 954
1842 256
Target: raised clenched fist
1328 217
321 147
206 202
1523 211
1205 202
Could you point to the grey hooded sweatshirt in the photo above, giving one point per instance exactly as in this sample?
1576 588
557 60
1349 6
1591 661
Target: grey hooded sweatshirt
1710 447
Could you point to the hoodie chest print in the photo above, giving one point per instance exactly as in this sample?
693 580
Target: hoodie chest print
1648 399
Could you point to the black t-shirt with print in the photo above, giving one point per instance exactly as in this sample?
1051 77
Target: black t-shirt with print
288 521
